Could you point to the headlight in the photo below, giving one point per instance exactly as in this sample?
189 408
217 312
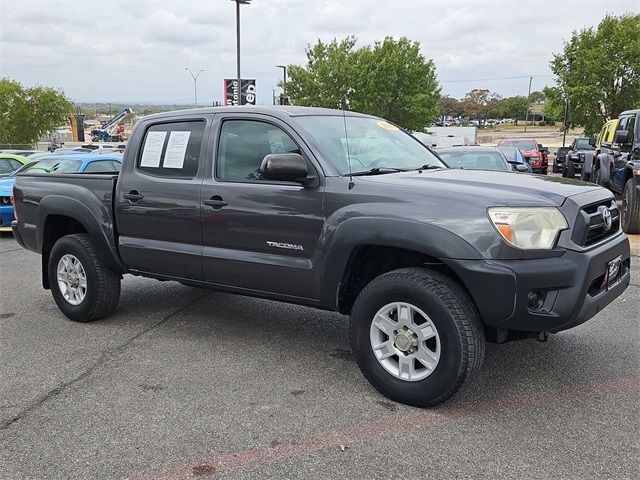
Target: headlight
528 227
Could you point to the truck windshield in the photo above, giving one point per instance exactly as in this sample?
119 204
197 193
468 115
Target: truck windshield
55 166
372 143
583 144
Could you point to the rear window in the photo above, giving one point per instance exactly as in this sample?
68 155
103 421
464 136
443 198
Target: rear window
520 144
480 160
172 149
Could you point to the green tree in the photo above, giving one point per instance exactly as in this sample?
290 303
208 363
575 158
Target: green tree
450 107
554 104
390 79
27 113
599 69
537 97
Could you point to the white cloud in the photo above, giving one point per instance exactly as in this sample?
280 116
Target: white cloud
136 50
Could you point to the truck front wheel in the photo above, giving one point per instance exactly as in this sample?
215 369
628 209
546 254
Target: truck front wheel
82 286
630 208
416 336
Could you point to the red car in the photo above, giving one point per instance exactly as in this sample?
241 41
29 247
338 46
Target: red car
534 153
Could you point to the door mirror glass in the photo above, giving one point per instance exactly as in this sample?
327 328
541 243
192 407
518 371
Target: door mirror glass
284 167
622 137
522 168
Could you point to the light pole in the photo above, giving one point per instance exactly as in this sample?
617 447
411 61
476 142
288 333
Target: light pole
284 77
195 83
526 118
238 3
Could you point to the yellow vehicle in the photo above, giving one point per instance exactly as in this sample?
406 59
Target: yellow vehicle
606 135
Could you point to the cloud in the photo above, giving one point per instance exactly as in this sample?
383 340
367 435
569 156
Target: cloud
136 50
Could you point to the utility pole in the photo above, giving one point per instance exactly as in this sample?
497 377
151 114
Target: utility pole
195 83
526 118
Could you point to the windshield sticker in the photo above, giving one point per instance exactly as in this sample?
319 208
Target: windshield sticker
387 126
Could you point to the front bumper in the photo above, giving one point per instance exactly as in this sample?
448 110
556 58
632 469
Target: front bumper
571 285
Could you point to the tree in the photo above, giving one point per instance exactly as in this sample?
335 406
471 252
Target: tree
479 103
27 113
515 107
390 79
554 104
600 71
450 107
537 97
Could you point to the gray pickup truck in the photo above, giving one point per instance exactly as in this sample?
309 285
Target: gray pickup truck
338 211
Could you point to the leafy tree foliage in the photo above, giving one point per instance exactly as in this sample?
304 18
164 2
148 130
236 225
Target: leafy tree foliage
390 79
599 69
450 107
27 113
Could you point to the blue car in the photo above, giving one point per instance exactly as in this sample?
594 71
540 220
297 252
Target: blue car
74 163
515 158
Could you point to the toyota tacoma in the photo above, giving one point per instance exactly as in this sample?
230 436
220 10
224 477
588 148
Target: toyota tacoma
339 211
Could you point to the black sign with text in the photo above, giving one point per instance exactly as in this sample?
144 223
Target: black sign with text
231 91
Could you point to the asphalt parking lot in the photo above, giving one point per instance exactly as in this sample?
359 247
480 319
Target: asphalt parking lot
183 383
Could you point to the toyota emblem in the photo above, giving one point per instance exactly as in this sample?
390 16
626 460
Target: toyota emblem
606 218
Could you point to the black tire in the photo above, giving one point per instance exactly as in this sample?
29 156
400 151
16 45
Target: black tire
630 208
571 170
103 284
452 312
555 168
564 171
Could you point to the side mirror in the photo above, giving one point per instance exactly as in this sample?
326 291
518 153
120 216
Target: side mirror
592 141
521 168
540 147
622 137
284 167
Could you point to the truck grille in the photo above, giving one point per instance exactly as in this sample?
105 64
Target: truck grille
590 227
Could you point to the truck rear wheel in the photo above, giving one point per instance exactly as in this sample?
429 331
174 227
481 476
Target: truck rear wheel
416 336
630 208
82 286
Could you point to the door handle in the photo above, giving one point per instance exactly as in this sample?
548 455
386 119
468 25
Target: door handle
133 196
216 202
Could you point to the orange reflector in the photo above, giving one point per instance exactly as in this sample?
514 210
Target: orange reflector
505 231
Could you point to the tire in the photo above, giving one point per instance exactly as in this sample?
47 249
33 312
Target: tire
102 285
554 168
564 171
630 208
597 178
571 170
459 340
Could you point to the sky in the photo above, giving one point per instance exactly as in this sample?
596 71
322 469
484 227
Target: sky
137 50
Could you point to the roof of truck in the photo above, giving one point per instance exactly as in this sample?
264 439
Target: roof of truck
277 111
628 112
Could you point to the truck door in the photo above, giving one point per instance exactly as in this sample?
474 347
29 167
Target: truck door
259 235
158 199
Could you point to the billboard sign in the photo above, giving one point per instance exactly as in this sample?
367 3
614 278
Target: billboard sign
248 92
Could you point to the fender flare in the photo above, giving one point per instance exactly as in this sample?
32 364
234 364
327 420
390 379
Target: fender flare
92 215
425 238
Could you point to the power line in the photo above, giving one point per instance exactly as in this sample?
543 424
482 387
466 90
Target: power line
490 79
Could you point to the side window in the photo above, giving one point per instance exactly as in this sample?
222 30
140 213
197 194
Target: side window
243 145
15 164
172 149
101 166
5 166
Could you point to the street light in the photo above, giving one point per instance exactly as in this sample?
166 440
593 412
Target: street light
238 3
195 84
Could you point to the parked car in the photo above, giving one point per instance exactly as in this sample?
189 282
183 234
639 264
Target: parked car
606 136
579 158
429 261
534 153
61 151
617 167
561 156
53 164
476 158
9 163
24 153
515 159
98 146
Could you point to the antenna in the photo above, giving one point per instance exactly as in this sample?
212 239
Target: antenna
345 101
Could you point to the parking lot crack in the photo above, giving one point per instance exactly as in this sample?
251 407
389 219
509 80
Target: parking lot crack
105 357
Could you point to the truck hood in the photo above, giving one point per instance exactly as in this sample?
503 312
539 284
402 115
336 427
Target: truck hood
490 188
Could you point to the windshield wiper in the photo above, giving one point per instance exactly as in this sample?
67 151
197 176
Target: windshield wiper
428 166
379 171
